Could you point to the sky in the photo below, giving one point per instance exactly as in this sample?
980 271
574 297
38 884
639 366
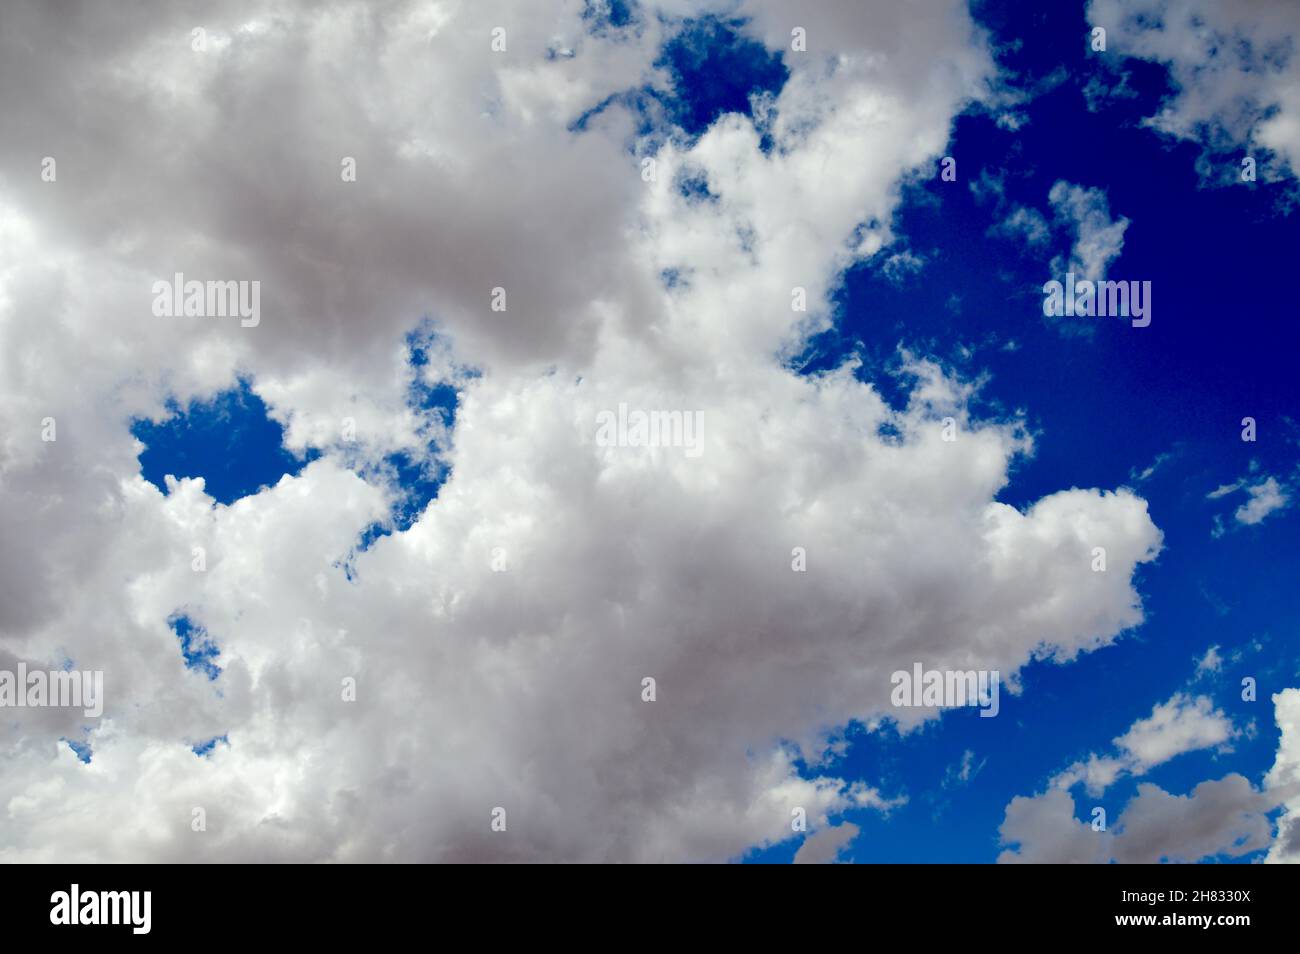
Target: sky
365 576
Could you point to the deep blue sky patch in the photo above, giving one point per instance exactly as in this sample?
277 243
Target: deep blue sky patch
419 478
204 749
229 441
602 16
715 70
80 749
414 478
197 647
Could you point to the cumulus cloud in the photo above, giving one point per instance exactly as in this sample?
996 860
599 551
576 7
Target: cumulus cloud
1227 817
1233 67
499 644
1181 724
1223 817
1284 777
1043 830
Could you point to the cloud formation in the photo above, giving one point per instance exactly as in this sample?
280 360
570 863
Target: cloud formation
498 646
1227 817
1182 724
1236 77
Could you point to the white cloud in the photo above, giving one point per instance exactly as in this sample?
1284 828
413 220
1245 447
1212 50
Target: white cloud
1267 496
1233 66
1224 817
902 265
1150 470
1212 661
1181 724
1223 490
477 688
1284 777
1097 239
1081 214
1043 830
965 771
1025 223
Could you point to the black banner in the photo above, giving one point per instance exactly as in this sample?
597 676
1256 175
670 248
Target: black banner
331 903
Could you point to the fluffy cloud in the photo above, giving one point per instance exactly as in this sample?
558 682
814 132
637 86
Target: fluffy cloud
1181 724
499 644
1284 777
1223 817
1227 817
1043 830
1235 72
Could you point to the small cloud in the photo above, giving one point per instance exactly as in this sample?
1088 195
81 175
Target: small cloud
1098 93
1210 662
1223 490
989 186
1012 121
1160 461
1023 223
901 266
1182 724
1267 496
965 771
1098 239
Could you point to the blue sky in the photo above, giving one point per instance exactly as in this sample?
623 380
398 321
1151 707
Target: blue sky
1158 410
